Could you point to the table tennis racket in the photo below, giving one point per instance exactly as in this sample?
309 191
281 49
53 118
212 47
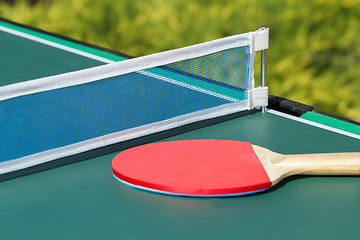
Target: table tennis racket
219 168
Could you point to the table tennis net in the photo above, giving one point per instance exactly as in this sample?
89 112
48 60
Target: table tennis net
55 117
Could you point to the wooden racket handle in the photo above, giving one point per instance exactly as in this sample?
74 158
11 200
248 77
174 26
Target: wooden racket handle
321 164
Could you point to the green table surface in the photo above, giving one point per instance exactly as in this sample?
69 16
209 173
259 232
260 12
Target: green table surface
82 200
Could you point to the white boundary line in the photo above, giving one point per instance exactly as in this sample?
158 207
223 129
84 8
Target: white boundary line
55 45
314 124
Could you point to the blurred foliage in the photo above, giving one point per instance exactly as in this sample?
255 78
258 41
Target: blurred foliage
314 54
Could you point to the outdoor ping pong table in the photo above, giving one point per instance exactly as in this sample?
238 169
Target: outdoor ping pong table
78 198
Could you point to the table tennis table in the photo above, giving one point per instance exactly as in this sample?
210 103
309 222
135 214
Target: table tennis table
78 198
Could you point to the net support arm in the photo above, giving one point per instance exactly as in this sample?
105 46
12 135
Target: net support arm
262 44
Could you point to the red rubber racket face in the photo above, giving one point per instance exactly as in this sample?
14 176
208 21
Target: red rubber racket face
203 168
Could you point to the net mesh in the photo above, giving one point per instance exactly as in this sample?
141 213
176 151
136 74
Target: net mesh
57 118
227 68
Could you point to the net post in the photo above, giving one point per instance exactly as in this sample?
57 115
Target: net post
263 69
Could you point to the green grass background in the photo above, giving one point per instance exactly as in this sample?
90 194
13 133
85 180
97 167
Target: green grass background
314 54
